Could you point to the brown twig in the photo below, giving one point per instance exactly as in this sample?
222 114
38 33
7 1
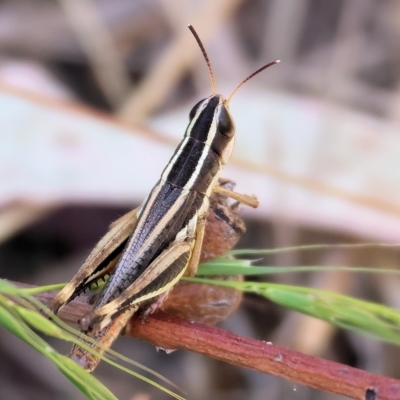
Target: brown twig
172 332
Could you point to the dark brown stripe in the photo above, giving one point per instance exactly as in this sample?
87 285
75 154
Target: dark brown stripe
187 163
206 174
202 126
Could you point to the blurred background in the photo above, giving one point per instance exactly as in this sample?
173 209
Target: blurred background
94 95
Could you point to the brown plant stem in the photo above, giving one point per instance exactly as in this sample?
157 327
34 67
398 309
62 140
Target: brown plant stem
171 332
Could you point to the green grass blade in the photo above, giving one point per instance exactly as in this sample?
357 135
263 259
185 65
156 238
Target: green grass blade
364 317
13 322
41 289
19 321
234 267
350 246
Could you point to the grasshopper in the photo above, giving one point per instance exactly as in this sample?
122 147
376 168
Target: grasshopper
149 249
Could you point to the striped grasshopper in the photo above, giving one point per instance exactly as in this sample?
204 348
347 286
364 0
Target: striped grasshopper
149 249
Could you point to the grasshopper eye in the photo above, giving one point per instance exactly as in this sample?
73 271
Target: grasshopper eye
225 123
194 110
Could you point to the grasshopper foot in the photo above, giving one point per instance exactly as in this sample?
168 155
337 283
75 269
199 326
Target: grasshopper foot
154 306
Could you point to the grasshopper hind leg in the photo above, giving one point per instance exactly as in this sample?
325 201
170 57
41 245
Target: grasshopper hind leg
161 275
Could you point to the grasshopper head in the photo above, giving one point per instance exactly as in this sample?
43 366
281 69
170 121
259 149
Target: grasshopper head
211 123
210 120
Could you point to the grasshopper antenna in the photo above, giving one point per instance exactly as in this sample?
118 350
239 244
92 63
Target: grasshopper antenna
203 50
250 76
